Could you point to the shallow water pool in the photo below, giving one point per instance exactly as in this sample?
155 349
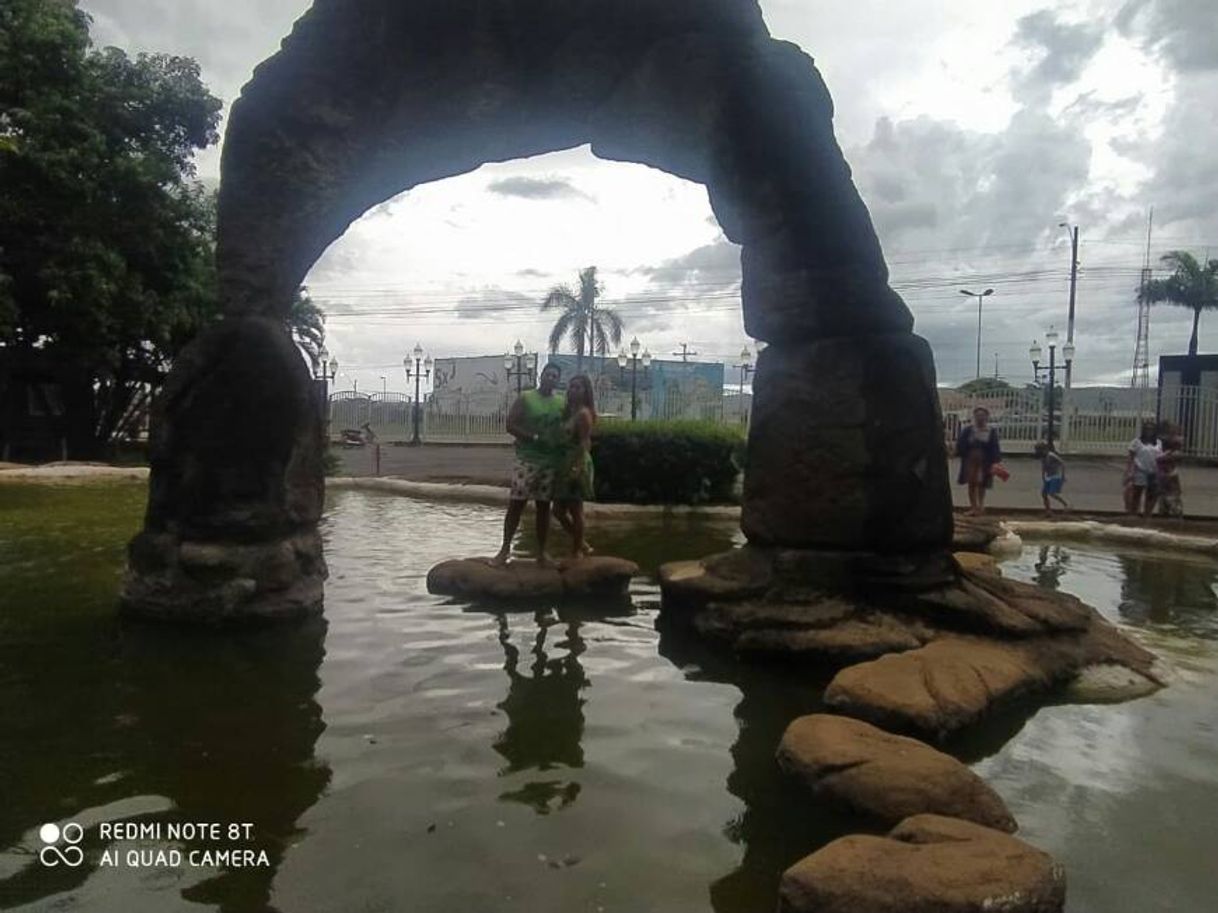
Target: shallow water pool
410 752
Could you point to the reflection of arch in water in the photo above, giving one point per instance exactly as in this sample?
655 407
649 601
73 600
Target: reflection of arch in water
1157 590
544 708
781 823
213 728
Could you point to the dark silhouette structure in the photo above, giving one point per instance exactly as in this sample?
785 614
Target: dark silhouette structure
367 100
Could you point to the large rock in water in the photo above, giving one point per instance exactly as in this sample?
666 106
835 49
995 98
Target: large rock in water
955 680
884 776
926 864
601 575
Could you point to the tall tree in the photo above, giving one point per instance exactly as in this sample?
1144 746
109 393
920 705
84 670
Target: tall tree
307 324
591 329
1191 285
106 240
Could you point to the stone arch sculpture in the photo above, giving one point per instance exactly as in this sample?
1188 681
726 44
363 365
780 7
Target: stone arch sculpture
368 99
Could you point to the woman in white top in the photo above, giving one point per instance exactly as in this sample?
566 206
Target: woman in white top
1142 471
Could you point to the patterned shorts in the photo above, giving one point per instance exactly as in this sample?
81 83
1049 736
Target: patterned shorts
531 482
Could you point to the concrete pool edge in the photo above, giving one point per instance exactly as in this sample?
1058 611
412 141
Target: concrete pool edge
492 495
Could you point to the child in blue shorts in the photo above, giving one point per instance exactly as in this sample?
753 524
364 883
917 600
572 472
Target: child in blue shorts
1053 476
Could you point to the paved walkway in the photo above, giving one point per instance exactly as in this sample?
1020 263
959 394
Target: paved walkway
1092 484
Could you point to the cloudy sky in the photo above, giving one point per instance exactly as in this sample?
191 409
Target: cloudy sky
973 131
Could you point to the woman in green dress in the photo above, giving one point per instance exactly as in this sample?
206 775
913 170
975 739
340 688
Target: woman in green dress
573 480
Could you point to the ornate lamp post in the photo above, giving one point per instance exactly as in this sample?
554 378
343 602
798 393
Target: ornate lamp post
520 365
746 368
633 360
1051 371
325 372
421 371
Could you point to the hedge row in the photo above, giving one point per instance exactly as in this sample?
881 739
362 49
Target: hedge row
667 462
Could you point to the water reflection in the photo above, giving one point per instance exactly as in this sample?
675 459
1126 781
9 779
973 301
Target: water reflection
1176 593
1051 563
209 727
779 823
544 710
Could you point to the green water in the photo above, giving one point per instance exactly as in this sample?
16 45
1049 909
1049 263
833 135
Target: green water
413 753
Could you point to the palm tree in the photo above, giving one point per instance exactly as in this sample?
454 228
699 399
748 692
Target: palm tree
592 329
307 324
1191 285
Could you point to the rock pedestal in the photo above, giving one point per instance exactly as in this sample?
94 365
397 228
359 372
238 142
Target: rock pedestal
236 486
846 448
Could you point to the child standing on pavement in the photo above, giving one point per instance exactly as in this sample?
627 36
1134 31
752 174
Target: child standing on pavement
1052 475
1171 501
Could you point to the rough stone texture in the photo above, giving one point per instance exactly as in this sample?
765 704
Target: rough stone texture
884 776
1109 683
236 484
870 635
977 562
957 679
988 603
974 534
858 418
600 575
926 864
739 574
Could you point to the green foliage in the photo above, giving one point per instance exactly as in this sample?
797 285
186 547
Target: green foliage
1191 285
331 463
307 324
667 462
106 241
592 329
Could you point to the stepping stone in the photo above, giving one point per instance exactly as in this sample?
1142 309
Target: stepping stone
884 776
600 575
926 864
946 684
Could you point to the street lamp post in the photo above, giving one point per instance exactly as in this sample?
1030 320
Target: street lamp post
421 370
633 360
517 364
746 368
1067 354
979 296
1073 230
325 371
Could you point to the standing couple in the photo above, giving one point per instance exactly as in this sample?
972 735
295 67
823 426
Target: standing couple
553 460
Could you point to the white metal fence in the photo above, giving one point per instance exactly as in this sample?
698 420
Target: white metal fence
390 416
1021 417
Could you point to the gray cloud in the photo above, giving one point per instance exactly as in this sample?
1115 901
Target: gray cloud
717 263
1063 50
933 184
536 188
1184 32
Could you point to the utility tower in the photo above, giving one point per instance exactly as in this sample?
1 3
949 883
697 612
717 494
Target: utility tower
1141 348
685 352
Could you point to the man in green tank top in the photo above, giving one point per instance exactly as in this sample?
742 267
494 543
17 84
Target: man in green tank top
535 421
